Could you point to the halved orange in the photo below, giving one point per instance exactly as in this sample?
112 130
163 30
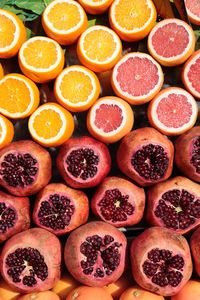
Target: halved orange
95 7
193 11
6 131
64 21
77 88
51 125
110 119
132 19
12 34
19 96
41 59
1 71
171 42
99 48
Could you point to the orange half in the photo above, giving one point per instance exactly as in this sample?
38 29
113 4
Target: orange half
6 131
1 71
95 7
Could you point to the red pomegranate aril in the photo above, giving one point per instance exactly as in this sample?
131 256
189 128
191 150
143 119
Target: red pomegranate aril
195 250
118 202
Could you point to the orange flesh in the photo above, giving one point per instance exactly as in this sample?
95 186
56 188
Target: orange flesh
1 131
7 31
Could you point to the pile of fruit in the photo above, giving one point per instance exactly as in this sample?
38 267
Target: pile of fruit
99 150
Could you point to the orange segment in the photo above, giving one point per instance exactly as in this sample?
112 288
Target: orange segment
99 48
64 21
41 59
77 88
51 125
1 71
132 19
6 131
19 96
95 7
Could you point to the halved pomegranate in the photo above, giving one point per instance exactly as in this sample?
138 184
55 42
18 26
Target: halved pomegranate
60 209
119 202
30 260
14 215
25 168
195 249
187 153
83 162
175 204
146 156
161 261
95 253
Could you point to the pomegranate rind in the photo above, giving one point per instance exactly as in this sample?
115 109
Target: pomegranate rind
133 142
162 238
44 165
183 153
136 198
47 244
77 198
72 255
155 193
195 250
99 148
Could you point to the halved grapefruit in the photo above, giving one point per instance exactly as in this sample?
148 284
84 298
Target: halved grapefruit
173 111
137 78
110 119
171 42
193 11
191 74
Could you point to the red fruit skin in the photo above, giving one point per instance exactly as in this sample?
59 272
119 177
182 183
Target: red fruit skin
154 195
47 244
78 198
21 206
135 140
158 237
72 252
195 249
183 153
136 198
44 169
84 142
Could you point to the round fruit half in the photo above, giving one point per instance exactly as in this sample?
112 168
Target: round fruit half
193 11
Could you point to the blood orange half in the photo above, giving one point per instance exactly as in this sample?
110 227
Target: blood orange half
171 42
191 74
137 78
193 11
173 111
110 119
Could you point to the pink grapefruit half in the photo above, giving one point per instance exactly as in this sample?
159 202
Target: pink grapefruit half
193 11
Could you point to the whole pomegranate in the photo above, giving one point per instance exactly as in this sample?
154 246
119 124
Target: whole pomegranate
187 153
60 209
25 168
95 253
14 215
195 249
175 204
30 260
161 261
118 202
83 162
146 156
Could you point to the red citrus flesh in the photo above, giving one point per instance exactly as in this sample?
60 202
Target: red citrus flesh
193 11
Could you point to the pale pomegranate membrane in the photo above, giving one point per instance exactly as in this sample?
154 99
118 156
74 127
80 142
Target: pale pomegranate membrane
115 206
150 162
163 267
100 255
18 169
195 154
8 217
194 74
178 209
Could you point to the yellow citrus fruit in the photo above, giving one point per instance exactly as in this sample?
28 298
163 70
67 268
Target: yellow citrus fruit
99 48
64 286
1 71
95 7
64 21
132 19
41 59
6 292
19 96
77 88
12 34
51 125
6 131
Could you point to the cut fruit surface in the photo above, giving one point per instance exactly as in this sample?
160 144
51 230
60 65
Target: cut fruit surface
95 7
173 111
99 48
132 19
193 11
51 125
12 34
1 71
77 88
137 78
41 59
19 96
64 21
6 131
110 119
191 74
171 42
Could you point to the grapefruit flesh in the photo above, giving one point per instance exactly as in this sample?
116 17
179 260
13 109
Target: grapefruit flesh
193 10
192 75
